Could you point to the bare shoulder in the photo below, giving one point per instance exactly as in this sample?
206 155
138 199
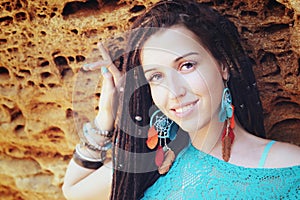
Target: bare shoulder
280 155
283 154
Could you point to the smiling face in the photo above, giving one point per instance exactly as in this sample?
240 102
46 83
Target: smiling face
185 79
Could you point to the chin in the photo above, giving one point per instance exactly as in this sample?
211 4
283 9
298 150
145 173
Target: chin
188 128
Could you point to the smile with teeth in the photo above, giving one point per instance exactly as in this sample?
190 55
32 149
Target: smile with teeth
185 108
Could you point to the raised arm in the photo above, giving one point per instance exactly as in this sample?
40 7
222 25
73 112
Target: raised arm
82 181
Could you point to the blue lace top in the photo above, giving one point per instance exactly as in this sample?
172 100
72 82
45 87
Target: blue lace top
196 175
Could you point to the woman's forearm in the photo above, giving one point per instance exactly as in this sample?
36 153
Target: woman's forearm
81 183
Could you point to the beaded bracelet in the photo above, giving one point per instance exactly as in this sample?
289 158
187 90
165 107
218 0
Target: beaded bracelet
93 127
91 144
87 162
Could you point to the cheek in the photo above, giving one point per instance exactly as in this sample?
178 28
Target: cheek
155 91
196 83
158 96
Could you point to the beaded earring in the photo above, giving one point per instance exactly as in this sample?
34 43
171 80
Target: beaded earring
226 115
161 130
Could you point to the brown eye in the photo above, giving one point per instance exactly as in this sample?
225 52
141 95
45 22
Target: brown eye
187 66
156 77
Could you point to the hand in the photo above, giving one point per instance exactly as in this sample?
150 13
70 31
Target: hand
111 77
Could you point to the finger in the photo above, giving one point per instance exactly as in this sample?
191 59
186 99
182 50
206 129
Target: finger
111 67
95 65
103 52
107 91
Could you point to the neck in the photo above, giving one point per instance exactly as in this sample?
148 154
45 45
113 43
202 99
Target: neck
206 138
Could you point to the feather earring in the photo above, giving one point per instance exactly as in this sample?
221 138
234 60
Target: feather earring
161 129
226 115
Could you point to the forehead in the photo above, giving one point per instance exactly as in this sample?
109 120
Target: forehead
170 43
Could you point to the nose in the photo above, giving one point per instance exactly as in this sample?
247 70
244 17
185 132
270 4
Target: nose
176 86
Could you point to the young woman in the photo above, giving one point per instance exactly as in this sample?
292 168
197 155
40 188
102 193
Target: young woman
184 65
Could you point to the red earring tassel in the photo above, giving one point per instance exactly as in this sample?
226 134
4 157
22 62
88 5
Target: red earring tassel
227 140
159 156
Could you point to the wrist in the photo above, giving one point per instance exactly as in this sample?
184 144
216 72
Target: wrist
91 152
89 162
102 122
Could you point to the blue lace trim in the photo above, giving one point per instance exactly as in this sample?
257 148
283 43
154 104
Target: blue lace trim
196 175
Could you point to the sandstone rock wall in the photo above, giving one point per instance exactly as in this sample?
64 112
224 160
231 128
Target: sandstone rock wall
43 44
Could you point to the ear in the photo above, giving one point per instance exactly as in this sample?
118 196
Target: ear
224 72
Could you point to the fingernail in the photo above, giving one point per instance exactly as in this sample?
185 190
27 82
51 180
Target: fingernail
104 70
86 66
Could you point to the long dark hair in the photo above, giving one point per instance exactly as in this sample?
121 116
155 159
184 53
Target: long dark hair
133 173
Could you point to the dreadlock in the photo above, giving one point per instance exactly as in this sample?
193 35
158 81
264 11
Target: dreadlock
134 168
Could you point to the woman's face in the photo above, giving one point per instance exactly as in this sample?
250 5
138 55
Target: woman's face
186 81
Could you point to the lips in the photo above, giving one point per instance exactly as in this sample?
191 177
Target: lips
184 109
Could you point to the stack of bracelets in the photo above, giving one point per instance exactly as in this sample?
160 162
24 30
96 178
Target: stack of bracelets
89 143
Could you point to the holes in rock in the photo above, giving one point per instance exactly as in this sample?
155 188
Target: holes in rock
137 8
45 75
44 64
4 73
71 59
249 13
51 85
80 58
269 64
42 16
11 50
25 71
21 16
285 54
6 20
43 33
6 6
30 44
19 77
73 7
53 133
69 113
31 35
18 5
90 33
19 128
74 31
275 27
16 114
55 53
60 61
55 129
12 149
132 19
30 83
239 5
111 28
275 8
2 41
67 72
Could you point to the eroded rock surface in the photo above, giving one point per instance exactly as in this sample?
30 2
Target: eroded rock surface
43 44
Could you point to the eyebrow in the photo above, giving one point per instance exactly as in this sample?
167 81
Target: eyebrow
185 55
177 59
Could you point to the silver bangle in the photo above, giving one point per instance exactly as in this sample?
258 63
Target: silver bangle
87 162
93 128
91 143
101 159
